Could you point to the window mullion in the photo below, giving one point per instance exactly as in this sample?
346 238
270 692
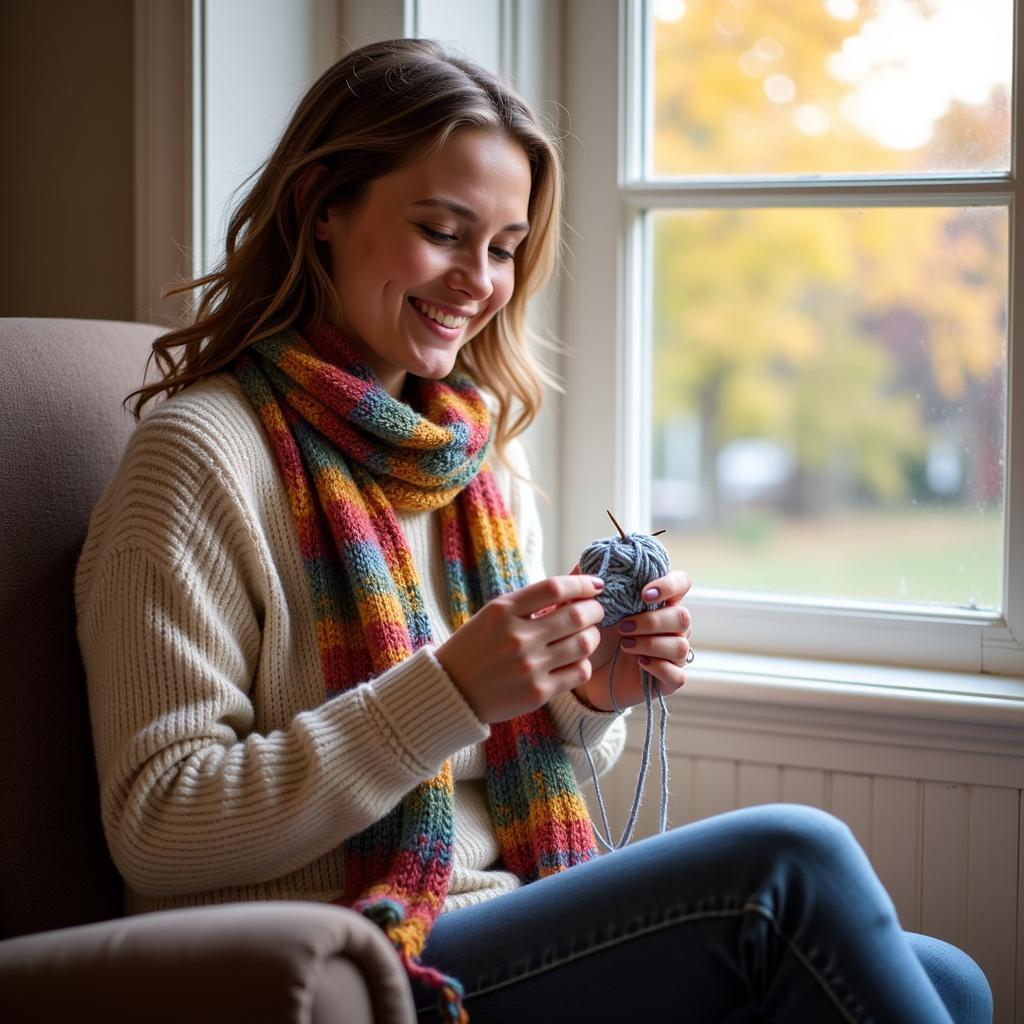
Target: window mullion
1003 649
833 192
634 86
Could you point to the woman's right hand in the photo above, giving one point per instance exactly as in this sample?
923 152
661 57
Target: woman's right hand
524 648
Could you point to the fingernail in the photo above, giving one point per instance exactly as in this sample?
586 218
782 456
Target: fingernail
644 660
651 594
628 641
627 626
598 582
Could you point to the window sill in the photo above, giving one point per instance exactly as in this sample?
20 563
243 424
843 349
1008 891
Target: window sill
837 686
929 642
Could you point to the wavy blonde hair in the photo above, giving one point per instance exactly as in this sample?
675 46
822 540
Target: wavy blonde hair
375 110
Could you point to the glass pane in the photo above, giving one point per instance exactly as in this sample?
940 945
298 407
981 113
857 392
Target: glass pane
829 400
847 86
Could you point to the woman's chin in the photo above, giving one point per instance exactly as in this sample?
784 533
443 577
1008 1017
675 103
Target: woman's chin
434 369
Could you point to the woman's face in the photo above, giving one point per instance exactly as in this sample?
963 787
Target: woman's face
424 261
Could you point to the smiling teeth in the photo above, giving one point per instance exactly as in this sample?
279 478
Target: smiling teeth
445 319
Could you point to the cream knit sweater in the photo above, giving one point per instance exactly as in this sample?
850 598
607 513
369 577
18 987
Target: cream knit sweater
224 773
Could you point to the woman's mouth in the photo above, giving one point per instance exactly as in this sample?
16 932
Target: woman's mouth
451 321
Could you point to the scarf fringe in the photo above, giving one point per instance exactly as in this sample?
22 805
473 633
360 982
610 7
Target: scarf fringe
389 916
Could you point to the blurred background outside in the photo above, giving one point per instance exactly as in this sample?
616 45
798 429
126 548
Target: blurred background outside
829 383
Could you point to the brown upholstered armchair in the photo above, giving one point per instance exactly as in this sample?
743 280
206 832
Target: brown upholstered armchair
67 953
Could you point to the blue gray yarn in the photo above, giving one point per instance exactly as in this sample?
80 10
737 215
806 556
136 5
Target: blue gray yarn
627 565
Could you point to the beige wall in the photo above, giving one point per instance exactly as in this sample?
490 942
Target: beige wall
67 165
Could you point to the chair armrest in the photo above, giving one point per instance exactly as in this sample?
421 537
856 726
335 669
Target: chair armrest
300 963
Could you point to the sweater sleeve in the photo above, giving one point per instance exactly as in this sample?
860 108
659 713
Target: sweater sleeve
194 795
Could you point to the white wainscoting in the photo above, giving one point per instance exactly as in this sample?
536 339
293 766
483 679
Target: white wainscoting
934 792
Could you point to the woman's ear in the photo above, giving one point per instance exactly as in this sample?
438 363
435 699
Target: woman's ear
308 180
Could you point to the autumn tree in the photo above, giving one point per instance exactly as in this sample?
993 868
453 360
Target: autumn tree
794 324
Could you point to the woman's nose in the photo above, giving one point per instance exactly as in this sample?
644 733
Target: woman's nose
471 276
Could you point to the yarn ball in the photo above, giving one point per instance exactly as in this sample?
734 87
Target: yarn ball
626 564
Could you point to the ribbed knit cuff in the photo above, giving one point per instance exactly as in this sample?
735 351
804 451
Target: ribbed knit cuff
567 711
426 711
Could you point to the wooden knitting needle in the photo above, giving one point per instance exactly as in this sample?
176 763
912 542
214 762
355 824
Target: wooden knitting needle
619 528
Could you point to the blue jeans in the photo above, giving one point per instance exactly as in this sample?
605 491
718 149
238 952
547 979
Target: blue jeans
768 913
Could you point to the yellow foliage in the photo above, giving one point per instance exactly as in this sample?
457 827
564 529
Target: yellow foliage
820 327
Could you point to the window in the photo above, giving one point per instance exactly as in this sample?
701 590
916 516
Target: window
809 312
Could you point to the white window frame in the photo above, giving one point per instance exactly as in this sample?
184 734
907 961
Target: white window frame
606 451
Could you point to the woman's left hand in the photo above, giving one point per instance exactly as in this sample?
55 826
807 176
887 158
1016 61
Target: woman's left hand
654 641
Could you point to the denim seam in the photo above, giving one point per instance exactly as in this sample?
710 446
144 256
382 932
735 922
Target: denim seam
660 926
765 912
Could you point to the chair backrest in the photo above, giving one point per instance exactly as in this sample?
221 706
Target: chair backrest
62 432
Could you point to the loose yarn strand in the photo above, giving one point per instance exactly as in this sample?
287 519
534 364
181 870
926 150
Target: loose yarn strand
605 838
663 752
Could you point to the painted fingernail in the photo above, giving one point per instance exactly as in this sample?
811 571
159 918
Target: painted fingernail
598 582
644 660
628 641
651 594
627 626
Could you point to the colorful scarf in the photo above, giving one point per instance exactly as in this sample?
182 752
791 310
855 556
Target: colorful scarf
351 455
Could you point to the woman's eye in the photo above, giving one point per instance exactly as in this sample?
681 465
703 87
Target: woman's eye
433 235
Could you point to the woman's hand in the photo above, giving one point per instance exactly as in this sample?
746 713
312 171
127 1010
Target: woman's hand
524 648
655 641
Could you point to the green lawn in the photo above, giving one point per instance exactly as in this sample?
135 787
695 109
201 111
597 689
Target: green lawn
944 556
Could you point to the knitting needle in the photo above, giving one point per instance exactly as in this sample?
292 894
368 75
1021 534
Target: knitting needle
623 535
617 527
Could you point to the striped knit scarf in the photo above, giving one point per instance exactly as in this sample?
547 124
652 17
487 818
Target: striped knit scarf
351 455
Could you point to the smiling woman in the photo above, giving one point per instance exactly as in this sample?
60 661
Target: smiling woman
324 659
347 141
418 278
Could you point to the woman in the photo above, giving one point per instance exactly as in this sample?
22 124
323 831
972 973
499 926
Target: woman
317 666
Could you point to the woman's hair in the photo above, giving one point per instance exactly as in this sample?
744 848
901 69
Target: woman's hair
377 109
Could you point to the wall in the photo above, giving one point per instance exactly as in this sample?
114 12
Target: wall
67 176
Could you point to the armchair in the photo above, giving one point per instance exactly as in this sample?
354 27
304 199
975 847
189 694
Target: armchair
66 951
